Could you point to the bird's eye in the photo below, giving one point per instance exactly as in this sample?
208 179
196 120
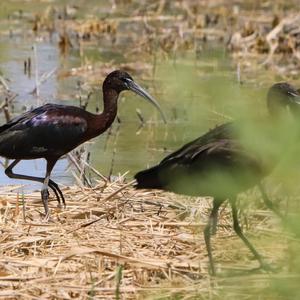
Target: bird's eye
126 82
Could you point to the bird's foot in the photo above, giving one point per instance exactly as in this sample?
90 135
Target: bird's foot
47 219
62 206
267 267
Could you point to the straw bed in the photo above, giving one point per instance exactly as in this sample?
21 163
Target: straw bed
107 245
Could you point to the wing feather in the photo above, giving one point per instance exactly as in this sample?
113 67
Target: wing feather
50 128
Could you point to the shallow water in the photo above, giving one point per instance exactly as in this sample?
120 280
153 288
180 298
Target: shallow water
190 100
196 93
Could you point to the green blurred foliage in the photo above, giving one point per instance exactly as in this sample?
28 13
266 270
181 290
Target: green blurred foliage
197 93
215 98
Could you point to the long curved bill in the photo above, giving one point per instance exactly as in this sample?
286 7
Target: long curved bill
141 92
294 97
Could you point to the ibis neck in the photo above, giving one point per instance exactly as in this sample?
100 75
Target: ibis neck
102 122
110 101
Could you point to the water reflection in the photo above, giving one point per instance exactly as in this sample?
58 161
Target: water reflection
188 99
12 65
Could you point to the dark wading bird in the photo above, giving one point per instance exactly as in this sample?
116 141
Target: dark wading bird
221 164
50 131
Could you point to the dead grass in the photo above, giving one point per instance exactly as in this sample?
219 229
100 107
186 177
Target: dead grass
126 245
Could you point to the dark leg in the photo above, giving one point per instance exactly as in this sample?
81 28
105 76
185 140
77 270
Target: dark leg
214 215
58 193
238 230
268 202
209 230
44 191
52 184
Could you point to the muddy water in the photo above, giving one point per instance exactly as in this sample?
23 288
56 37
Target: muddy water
195 92
13 54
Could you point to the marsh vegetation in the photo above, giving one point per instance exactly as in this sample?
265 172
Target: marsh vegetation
207 62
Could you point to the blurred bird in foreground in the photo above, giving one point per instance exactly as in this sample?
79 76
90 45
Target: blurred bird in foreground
229 159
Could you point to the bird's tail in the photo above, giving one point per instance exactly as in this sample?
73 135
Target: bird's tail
149 179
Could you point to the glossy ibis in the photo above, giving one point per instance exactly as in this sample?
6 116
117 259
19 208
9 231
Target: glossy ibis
50 131
222 163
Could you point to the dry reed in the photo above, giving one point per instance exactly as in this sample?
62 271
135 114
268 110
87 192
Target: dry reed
112 242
